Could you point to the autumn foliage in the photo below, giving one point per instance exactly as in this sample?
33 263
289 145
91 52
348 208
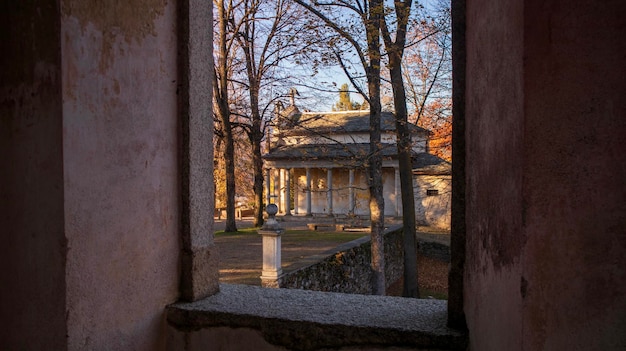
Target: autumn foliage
428 78
436 119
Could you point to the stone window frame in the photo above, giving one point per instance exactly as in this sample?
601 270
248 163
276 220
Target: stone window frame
199 262
199 259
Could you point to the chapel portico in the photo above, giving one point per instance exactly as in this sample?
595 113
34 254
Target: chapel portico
329 190
317 163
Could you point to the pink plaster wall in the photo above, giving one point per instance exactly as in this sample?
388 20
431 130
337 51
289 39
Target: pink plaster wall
494 122
546 184
120 171
575 175
32 250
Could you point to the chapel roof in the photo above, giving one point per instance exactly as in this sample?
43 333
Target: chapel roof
336 151
425 163
342 123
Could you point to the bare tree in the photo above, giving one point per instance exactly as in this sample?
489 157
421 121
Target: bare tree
369 14
270 33
427 71
395 51
408 26
223 71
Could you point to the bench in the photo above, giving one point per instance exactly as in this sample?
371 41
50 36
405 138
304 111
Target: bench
326 226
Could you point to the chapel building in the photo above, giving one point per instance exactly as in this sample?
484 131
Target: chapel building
319 160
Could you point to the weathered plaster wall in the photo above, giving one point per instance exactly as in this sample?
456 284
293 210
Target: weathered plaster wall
433 210
340 195
494 127
319 186
361 193
574 175
546 182
120 171
341 198
393 203
32 253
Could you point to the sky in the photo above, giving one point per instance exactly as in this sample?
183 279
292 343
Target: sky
331 78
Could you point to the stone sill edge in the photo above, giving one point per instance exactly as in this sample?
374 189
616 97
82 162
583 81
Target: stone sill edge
296 325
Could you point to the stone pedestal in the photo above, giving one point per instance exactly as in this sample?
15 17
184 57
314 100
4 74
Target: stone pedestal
271 232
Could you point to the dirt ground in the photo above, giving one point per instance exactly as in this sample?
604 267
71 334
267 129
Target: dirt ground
432 277
241 258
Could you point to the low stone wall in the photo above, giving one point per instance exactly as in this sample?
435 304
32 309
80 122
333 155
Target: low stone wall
434 250
348 270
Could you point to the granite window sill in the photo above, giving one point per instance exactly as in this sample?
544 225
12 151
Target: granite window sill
312 320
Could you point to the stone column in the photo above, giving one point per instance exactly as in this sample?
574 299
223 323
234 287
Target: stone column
308 192
287 210
275 194
296 194
398 191
329 192
351 198
281 191
271 233
268 188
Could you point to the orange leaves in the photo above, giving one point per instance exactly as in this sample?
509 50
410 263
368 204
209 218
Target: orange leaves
436 117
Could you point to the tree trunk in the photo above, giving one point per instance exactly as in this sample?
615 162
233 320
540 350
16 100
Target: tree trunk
375 179
258 184
257 137
229 158
395 51
403 135
377 202
224 114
